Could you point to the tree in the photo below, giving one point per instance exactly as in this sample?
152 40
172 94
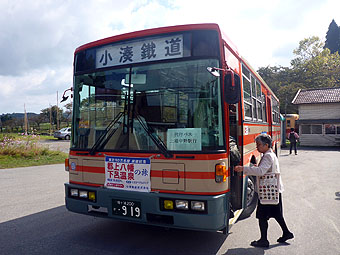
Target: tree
9 124
281 81
312 67
333 37
38 119
68 112
3 120
46 113
308 49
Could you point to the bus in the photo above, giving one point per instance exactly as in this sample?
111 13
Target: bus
157 115
291 122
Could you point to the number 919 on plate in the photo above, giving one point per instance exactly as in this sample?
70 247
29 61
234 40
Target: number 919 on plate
126 208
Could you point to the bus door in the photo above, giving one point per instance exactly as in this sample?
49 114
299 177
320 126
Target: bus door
236 179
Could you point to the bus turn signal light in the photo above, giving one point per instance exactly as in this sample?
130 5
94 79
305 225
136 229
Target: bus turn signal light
168 204
92 196
67 168
220 173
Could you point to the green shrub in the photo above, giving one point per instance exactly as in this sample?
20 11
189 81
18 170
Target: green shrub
18 150
21 146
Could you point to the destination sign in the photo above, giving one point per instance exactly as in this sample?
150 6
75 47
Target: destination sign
150 49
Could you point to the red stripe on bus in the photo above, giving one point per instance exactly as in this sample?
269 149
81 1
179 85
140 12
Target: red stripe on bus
154 159
164 174
184 175
94 169
167 174
249 139
256 124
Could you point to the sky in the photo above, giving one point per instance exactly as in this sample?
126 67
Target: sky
38 38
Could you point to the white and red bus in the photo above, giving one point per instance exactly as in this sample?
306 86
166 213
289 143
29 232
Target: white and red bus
154 115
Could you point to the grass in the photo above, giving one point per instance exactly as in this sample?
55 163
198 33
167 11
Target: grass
13 161
22 151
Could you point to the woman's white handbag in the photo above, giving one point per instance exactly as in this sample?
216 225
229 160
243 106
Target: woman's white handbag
269 189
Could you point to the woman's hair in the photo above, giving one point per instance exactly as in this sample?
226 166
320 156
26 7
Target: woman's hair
264 139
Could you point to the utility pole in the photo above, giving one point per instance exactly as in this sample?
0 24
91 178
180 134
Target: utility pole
50 119
25 120
57 112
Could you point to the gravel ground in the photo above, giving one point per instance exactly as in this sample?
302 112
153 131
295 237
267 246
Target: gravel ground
57 145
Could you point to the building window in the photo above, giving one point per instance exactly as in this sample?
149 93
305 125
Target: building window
330 129
305 129
317 129
311 129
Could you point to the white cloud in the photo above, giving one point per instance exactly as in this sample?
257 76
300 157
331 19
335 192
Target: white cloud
37 89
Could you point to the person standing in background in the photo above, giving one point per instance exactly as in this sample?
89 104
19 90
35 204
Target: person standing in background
293 139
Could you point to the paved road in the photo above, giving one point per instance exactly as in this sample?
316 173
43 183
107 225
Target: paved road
33 219
311 204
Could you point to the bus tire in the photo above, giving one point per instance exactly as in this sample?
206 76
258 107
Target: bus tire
251 200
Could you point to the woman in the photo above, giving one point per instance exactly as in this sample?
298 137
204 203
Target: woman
268 163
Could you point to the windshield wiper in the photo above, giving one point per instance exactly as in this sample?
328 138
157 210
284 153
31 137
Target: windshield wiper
110 130
159 143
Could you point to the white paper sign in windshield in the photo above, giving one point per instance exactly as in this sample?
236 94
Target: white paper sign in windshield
184 139
127 173
140 51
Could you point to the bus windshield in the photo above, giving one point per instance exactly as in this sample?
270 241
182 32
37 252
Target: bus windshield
173 106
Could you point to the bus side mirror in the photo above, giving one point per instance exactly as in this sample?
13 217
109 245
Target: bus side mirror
231 87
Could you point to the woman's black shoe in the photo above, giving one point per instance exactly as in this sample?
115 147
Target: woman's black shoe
260 243
285 237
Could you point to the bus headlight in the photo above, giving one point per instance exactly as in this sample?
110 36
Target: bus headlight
74 192
197 206
83 194
182 204
89 195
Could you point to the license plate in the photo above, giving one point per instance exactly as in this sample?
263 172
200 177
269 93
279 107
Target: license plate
127 208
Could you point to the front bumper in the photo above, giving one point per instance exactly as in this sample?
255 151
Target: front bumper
214 219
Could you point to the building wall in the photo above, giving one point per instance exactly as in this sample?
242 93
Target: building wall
319 111
319 139
326 111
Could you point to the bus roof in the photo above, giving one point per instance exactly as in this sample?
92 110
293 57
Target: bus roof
155 31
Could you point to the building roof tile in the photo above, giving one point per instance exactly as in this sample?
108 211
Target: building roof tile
317 96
